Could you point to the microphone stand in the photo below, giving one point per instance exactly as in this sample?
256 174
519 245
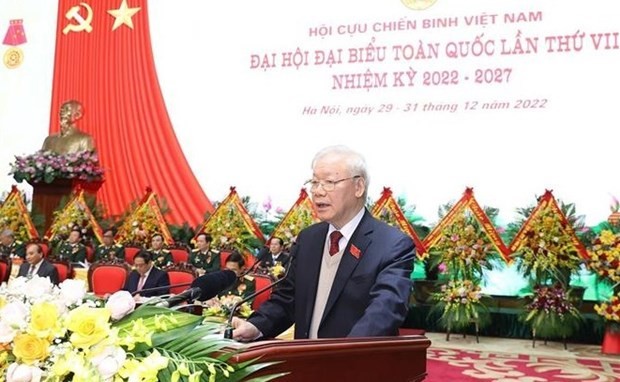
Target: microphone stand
160 288
229 329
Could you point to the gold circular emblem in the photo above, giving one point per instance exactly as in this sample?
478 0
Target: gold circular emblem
418 5
13 57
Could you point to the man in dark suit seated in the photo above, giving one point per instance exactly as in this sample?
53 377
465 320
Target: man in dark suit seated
349 274
146 276
36 265
273 254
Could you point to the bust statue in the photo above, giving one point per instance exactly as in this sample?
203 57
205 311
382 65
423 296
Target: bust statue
70 139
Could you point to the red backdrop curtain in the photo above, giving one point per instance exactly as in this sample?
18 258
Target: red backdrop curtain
112 73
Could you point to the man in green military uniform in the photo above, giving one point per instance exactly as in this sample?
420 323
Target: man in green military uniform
161 256
109 250
9 246
245 285
203 258
72 249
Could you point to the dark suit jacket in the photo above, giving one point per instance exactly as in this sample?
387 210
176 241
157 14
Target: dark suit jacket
266 260
370 293
46 269
157 278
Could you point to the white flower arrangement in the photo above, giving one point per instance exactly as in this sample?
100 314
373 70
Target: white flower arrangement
60 333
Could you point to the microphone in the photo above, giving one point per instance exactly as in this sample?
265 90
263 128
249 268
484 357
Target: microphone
229 329
202 288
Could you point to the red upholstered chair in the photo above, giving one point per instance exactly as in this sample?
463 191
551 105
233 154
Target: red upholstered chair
180 274
130 252
65 270
223 257
46 249
250 261
5 269
179 255
106 278
90 254
261 282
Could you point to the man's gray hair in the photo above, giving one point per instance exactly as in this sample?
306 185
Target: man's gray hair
7 233
355 162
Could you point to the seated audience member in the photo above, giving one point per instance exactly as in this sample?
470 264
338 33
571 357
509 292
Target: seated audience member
162 257
245 284
146 276
9 246
274 254
72 249
109 250
203 257
36 265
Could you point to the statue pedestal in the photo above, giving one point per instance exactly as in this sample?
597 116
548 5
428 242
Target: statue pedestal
47 196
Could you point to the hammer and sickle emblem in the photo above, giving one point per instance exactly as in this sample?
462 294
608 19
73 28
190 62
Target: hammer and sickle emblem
82 24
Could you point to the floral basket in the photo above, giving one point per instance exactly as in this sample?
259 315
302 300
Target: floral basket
56 333
463 248
547 252
460 305
230 231
605 256
610 312
47 166
550 314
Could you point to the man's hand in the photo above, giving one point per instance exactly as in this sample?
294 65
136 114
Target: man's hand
244 331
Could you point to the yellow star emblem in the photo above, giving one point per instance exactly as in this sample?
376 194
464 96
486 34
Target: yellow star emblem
123 15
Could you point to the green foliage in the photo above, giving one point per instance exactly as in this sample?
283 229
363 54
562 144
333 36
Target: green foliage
191 347
182 233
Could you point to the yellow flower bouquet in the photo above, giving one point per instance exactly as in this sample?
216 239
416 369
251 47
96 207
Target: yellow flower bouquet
547 252
14 216
605 256
277 271
460 305
610 312
232 230
221 307
463 248
56 333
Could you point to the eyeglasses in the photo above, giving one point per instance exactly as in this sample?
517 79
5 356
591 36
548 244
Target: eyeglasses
327 185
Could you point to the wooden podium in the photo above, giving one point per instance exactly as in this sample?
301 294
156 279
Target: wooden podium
47 196
389 359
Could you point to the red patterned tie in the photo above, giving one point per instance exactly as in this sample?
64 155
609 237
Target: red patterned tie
334 238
